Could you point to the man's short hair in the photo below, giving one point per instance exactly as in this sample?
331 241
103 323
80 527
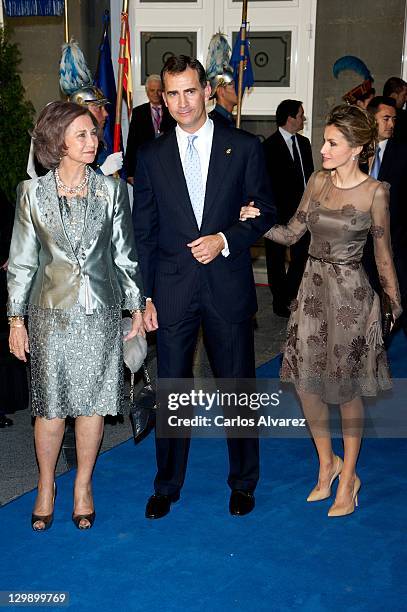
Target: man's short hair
393 85
176 64
373 106
287 108
152 77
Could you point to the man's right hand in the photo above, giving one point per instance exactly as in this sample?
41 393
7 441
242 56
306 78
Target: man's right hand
150 317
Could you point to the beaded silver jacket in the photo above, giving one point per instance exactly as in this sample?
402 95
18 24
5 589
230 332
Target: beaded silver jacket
44 270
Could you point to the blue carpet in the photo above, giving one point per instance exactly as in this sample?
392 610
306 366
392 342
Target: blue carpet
286 555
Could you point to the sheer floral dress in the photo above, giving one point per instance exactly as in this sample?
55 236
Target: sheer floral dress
334 345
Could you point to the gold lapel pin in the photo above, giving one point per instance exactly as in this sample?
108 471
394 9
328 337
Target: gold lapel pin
228 151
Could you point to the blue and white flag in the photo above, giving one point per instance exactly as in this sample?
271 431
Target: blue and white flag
248 77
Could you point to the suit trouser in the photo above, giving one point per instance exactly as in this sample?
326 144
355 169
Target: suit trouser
230 348
284 284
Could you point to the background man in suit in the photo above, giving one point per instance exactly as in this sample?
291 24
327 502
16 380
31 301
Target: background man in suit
289 164
195 261
396 88
148 121
390 165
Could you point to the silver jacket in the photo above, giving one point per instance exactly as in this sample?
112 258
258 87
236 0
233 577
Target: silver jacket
43 268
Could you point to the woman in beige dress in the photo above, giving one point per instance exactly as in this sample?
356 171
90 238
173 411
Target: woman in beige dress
334 350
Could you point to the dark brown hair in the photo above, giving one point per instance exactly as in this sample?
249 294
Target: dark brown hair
179 63
357 126
49 131
393 85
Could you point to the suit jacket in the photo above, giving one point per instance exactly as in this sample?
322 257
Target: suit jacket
288 186
393 170
141 130
164 222
45 271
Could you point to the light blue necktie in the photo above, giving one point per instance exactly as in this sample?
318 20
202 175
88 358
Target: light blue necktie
376 164
193 177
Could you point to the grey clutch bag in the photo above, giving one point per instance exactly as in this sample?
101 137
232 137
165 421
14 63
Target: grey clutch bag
135 350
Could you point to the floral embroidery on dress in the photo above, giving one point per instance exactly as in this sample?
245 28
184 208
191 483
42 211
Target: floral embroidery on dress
336 376
317 279
313 340
360 293
324 249
323 332
293 306
292 336
312 306
377 231
348 210
359 348
346 316
301 216
313 217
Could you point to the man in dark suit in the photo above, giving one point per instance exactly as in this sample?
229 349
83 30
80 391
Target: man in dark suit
289 164
195 261
148 121
390 165
396 88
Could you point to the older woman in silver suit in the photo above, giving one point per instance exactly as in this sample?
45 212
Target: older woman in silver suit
72 269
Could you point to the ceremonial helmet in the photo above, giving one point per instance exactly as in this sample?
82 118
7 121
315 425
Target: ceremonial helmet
220 80
90 94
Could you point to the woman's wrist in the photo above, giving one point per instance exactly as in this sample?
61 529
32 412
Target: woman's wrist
16 321
136 311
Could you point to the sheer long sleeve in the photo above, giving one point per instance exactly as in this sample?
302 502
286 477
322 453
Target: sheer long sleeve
297 225
380 230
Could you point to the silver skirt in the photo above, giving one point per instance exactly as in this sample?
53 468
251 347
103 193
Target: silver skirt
76 362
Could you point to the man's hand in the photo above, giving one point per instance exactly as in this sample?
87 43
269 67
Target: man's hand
206 248
150 317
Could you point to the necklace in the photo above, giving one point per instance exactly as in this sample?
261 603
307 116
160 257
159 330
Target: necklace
72 190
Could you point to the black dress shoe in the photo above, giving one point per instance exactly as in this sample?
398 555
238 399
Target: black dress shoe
5 421
159 505
241 502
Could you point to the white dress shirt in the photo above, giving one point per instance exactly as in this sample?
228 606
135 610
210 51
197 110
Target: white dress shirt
203 144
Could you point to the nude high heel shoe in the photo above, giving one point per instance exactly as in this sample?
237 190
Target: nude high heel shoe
338 510
319 494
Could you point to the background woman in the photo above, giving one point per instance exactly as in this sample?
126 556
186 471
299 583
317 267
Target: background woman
72 268
334 351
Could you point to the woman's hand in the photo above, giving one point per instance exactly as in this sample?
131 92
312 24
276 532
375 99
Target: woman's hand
249 212
18 342
137 327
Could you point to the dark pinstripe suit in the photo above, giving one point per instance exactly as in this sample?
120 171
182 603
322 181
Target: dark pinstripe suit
220 295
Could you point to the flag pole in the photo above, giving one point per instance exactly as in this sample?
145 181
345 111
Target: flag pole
66 21
119 99
241 63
